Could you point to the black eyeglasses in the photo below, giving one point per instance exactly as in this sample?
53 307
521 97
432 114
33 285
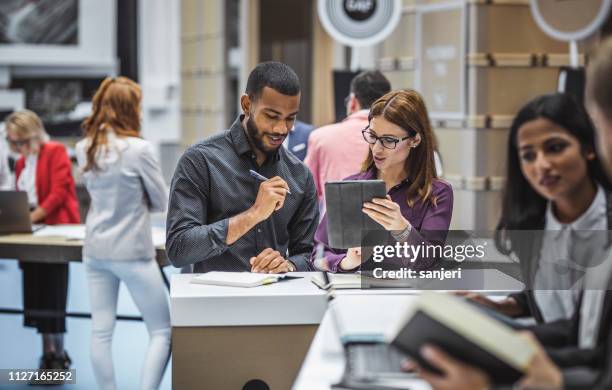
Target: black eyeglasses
386 141
18 143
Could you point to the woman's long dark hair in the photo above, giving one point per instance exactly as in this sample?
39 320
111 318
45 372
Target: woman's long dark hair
522 207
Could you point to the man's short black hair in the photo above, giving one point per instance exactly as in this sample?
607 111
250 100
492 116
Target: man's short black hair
275 75
368 86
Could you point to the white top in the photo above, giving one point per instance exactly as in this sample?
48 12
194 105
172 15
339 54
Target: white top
564 270
27 179
127 187
288 302
6 182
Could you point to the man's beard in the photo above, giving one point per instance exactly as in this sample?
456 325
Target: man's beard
256 138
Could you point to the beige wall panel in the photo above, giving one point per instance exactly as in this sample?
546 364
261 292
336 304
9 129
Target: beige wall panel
452 146
189 14
401 42
502 91
212 55
189 130
211 123
476 210
488 209
490 156
189 56
189 97
463 209
498 28
211 88
491 145
211 18
400 79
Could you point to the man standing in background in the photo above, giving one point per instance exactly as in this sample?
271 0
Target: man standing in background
297 139
336 151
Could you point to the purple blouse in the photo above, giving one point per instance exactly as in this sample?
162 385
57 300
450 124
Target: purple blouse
429 222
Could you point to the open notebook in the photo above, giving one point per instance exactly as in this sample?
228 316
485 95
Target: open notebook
239 279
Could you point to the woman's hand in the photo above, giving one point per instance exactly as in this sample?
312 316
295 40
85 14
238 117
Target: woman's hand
456 375
38 214
352 259
387 213
541 373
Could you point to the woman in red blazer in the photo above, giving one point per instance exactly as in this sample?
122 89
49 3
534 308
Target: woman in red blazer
44 173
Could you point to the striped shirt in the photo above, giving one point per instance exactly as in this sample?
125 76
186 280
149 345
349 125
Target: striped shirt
212 183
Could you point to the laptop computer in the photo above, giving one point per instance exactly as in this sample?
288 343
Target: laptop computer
369 361
15 213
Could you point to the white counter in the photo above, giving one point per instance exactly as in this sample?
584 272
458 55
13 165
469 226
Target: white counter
291 302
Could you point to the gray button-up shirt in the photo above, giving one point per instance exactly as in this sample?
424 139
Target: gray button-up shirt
212 183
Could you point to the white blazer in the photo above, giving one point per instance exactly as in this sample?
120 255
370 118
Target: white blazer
126 188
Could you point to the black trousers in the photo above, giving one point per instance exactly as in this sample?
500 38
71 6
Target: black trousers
45 291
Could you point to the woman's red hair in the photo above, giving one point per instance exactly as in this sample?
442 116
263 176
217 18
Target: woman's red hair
116 107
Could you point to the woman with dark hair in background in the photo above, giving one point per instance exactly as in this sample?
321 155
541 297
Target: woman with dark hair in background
556 187
125 184
44 172
402 155
554 183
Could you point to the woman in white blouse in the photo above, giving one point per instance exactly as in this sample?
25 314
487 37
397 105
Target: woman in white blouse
125 183
5 173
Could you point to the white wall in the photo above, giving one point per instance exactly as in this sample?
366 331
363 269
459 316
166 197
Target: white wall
159 60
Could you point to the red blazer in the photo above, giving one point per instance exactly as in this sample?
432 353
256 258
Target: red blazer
54 184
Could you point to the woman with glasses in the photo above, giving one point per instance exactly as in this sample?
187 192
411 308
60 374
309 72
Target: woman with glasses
44 172
401 153
125 182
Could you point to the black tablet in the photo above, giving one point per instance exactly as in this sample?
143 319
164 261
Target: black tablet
344 202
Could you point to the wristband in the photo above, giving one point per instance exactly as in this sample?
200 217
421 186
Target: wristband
403 235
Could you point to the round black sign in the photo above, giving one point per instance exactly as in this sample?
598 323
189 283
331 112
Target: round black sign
359 9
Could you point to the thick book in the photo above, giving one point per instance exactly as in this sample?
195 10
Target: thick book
465 333
239 279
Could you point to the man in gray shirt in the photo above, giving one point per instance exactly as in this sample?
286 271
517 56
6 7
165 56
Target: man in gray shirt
221 218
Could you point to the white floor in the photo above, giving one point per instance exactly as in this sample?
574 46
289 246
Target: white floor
21 347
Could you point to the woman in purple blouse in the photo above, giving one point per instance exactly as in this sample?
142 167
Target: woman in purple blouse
418 205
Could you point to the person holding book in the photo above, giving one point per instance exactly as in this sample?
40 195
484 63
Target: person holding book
125 183
418 205
593 373
557 192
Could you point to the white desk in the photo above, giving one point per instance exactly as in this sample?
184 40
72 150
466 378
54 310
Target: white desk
223 337
290 302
